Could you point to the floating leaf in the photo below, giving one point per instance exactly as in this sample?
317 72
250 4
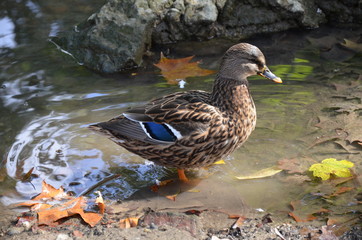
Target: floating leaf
357 47
70 208
175 70
49 192
219 162
26 177
266 172
331 166
49 214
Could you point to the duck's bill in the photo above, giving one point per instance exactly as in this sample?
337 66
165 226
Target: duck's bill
269 75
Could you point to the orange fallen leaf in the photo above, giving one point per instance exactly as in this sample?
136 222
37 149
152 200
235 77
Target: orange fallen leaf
239 222
177 69
40 206
157 186
341 190
75 206
129 222
308 218
49 192
172 197
124 223
134 221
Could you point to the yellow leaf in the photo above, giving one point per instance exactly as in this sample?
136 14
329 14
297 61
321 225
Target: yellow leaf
266 172
177 69
331 166
219 162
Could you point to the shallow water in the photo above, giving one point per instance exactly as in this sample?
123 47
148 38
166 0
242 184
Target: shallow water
47 101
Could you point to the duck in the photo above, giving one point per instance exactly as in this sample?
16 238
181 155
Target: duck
193 129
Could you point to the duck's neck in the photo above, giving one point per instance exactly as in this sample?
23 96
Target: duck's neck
231 95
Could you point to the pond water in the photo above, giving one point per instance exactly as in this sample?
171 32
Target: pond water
47 101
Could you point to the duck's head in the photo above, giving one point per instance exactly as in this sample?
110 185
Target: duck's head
243 60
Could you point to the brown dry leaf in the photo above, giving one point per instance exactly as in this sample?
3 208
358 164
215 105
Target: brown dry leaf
307 218
194 212
341 190
134 221
128 222
353 126
291 165
124 223
27 175
172 197
176 69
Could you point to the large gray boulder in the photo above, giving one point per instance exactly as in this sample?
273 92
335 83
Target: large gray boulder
117 36
114 38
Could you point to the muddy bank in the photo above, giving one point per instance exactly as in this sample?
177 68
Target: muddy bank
179 226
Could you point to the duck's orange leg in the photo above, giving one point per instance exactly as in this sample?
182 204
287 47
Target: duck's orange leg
181 175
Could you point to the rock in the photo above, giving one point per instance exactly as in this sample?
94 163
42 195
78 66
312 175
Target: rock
200 11
114 38
63 236
15 230
117 36
341 11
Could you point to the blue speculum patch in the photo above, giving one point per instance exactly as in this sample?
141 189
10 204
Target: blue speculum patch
160 132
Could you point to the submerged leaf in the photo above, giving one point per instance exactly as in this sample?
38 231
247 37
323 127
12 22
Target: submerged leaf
331 166
266 172
175 70
291 165
305 213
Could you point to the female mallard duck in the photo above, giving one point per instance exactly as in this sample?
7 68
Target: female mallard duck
195 128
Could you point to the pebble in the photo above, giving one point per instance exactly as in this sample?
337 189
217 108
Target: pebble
15 230
63 236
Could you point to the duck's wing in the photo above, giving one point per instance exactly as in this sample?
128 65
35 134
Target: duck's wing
164 120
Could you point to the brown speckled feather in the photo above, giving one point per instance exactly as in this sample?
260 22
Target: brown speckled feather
206 126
